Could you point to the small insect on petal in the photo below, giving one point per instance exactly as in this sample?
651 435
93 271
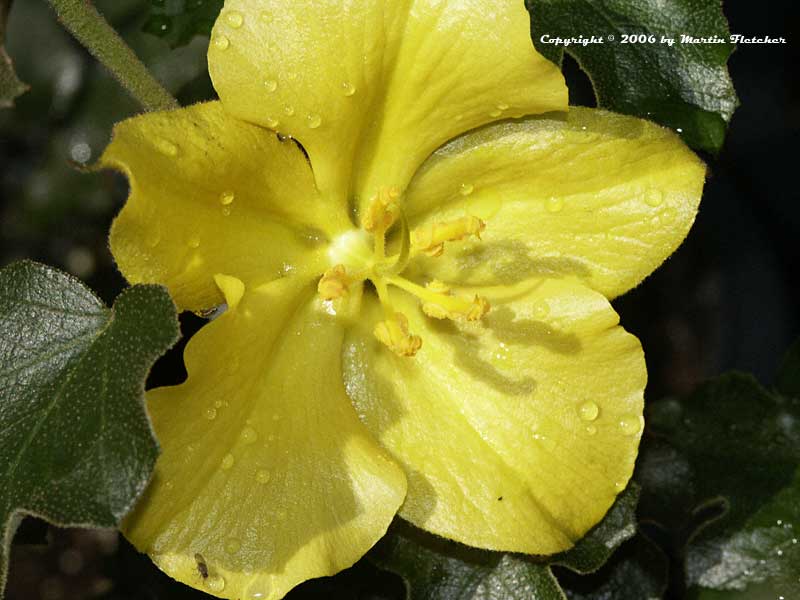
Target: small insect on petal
202 567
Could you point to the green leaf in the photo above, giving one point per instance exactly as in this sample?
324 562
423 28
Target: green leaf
724 480
178 21
438 569
683 86
637 571
10 85
76 447
597 546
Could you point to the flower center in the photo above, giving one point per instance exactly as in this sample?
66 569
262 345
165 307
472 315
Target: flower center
354 260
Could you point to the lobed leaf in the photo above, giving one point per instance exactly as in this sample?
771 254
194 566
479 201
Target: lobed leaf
76 446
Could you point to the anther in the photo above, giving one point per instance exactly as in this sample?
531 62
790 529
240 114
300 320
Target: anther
430 238
334 283
382 211
393 332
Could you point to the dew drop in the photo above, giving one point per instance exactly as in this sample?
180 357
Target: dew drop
226 197
216 583
291 75
654 197
591 429
554 204
227 462
249 435
588 411
271 85
210 413
496 113
218 403
502 106
222 42
466 189
263 476
288 110
232 545
234 19
540 309
258 594
167 148
169 485
630 425
226 211
348 89
193 243
313 120
619 485
272 122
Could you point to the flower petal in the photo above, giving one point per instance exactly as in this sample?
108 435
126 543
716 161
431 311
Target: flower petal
266 476
210 193
517 431
597 195
372 87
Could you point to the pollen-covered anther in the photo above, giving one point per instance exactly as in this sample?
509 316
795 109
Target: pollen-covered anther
393 332
430 238
383 210
334 283
454 307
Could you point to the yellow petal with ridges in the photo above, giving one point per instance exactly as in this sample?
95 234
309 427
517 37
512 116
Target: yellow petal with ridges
266 478
371 87
516 431
211 194
592 194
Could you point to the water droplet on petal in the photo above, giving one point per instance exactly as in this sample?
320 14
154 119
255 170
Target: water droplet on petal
588 411
502 106
249 435
654 197
288 110
619 485
263 476
227 462
218 403
591 429
272 122
226 197
496 113
554 204
226 211
222 42
210 413
313 120
216 583
234 19
540 309
232 545
630 425
348 89
466 189
167 148
271 85
193 243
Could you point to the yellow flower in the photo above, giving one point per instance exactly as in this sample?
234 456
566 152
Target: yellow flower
417 318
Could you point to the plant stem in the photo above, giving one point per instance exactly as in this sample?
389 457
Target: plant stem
89 27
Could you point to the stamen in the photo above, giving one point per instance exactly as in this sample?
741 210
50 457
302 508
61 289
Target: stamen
430 238
439 304
334 283
382 211
393 332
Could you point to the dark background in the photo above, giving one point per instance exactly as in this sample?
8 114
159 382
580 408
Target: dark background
726 300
